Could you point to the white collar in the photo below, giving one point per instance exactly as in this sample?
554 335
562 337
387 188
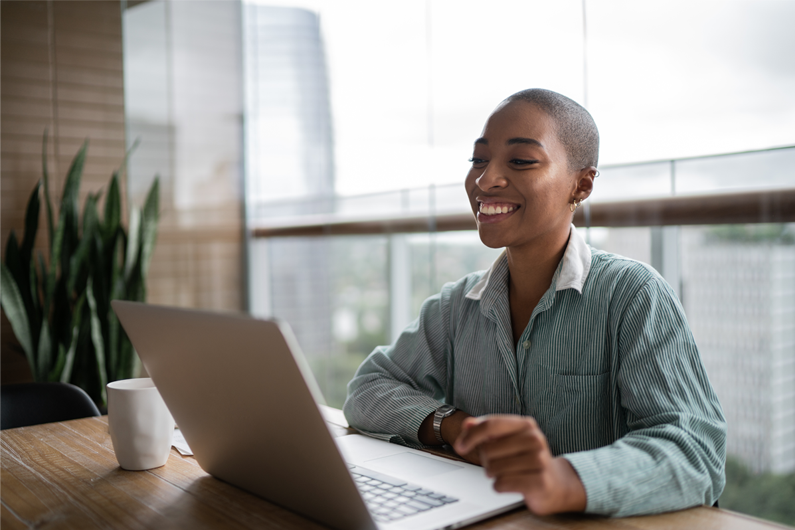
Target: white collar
576 264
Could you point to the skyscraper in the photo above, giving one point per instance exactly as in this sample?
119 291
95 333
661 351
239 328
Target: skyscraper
289 155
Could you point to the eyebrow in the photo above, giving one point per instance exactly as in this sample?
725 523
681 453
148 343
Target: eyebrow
513 141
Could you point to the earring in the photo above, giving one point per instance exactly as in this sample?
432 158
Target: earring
574 204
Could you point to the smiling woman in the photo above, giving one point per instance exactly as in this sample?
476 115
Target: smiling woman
569 373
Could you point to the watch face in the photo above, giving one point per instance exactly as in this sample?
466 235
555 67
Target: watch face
445 410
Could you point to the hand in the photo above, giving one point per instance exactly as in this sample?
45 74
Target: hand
514 451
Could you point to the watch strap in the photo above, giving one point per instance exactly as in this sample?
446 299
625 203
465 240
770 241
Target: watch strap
440 414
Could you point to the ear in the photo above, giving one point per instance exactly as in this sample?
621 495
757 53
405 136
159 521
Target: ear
584 182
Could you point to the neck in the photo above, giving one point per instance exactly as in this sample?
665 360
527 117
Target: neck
532 266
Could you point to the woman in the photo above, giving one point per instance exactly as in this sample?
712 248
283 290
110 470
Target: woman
569 373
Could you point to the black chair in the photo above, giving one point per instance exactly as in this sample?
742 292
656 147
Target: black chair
26 404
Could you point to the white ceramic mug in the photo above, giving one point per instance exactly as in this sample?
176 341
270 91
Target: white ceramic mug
141 427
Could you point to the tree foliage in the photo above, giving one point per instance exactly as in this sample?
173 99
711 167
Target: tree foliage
764 495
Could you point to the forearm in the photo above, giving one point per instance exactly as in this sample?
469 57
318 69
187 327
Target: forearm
651 473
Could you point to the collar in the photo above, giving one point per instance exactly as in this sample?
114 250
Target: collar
574 269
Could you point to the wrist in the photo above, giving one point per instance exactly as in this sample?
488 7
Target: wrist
576 499
451 426
450 429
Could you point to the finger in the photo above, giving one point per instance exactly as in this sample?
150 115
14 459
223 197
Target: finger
513 465
530 442
528 484
488 427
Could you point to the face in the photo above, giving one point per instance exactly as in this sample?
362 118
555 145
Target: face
520 186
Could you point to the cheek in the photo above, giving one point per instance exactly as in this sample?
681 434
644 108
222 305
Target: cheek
469 183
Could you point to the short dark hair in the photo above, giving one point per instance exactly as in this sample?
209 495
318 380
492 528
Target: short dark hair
575 126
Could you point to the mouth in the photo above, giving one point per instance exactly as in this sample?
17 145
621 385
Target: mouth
493 212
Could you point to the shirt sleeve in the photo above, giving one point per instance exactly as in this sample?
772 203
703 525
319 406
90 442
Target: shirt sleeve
674 455
398 386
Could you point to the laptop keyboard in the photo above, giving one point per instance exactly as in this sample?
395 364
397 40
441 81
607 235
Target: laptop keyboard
389 498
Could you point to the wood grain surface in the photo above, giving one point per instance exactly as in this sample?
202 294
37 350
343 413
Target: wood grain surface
65 475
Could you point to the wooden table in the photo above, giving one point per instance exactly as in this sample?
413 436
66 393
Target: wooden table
65 475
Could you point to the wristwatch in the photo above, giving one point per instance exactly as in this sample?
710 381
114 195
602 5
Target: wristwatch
440 414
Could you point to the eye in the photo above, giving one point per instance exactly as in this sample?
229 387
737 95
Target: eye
478 162
523 162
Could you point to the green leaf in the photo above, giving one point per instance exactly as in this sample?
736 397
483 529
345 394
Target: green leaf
55 257
149 219
71 188
68 218
128 359
31 224
97 341
57 369
14 259
133 243
69 361
18 266
44 355
35 318
47 199
112 217
81 255
116 292
15 311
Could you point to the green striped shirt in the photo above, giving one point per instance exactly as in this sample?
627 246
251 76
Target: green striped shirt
607 366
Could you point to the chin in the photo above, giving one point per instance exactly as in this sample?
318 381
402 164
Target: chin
490 240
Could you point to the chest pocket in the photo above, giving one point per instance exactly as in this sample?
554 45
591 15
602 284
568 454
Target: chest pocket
579 418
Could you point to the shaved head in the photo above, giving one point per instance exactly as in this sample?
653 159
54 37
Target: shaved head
576 129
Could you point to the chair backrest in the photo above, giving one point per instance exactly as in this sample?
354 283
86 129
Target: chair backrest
34 403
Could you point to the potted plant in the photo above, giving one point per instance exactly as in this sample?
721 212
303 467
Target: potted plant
59 305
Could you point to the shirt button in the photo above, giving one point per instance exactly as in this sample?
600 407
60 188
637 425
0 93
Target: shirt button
526 345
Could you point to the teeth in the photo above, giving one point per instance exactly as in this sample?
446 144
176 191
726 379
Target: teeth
489 209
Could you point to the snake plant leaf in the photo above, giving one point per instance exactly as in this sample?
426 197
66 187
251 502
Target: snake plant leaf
81 255
100 290
35 317
128 359
26 281
44 354
46 179
116 292
112 214
149 219
69 209
71 187
57 367
31 224
15 311
96 339
14 259
55 257
69 360
133 242
16 267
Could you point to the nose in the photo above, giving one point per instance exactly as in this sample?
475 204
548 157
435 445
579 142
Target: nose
491 178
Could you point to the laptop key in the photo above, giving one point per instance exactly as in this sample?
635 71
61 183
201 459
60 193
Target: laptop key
406 509
419 506
427 500
448 500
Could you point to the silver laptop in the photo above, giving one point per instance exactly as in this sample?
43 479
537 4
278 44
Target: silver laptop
247 404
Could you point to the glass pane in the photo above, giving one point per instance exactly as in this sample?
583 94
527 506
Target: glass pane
738 290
